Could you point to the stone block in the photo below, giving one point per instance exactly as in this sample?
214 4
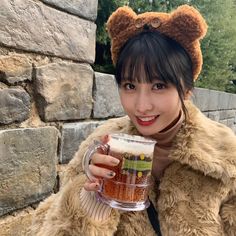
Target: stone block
232 101
36 27
14 105
227 114
17 224
214 115
213 103
83 8
223 101
201 98
72 136
28 160
106 97
15 68
64 91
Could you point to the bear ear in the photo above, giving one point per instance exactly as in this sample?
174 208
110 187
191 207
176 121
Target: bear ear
189 22
120 20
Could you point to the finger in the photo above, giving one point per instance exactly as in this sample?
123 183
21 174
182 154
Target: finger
101 172
92 178
98 158
105 139
91 186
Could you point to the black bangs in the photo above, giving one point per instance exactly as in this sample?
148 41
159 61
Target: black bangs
149 56
137 64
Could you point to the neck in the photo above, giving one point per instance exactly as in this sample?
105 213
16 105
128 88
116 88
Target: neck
163 146
173 123
165 137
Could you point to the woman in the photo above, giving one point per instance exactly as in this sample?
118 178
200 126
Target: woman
157 58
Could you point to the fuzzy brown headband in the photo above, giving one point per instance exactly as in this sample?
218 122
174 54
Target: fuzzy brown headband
185 25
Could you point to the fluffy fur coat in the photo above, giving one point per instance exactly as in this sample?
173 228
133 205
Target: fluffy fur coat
196 196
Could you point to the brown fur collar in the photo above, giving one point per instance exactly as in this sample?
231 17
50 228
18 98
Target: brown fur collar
206 145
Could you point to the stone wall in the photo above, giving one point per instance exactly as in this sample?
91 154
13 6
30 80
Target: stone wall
47 48
51 99
216 105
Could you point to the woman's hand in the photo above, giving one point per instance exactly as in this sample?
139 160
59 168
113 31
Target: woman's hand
97 168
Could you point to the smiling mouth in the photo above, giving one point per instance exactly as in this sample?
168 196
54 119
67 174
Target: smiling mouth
146 121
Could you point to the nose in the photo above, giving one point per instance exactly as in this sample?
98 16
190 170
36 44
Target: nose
144 102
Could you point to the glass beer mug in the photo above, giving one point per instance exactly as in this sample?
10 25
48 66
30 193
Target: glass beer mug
128 189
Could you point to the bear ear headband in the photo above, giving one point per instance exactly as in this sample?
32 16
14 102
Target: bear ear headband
185 25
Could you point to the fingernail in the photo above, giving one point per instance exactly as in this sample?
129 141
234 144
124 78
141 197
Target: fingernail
115 161
97 186
111 174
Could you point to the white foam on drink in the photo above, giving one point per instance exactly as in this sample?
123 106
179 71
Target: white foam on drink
132 144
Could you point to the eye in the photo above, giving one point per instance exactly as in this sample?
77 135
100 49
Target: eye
159 86
128 86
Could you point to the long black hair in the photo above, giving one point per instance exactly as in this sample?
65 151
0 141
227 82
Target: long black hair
160 57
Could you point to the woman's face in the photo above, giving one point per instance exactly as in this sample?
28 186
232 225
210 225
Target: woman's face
152 107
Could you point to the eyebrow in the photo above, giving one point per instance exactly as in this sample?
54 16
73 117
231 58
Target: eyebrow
151 82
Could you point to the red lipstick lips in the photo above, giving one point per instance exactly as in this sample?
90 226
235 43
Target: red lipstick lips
146 121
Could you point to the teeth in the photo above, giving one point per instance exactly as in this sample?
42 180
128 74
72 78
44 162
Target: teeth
147 118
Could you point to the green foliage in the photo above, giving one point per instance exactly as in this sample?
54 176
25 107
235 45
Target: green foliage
231 88
105 8
141 6
103 61
218 47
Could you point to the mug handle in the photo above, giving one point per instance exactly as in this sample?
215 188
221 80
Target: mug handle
88 157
